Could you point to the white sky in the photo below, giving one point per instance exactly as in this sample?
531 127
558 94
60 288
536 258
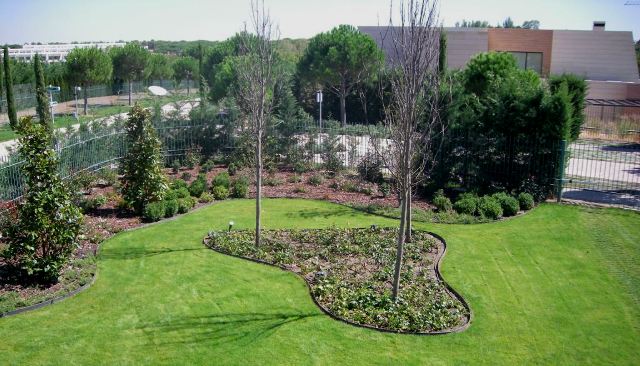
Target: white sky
109 20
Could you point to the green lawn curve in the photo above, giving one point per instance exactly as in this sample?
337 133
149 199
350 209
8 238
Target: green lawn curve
555 286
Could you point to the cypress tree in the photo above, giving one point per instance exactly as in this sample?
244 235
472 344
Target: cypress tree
1 86
42 108
8 84
442 55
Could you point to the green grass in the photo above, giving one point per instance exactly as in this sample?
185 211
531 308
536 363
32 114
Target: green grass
556 286
6 133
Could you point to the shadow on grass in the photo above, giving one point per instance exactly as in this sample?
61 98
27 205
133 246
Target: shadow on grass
241 328
134 253
339 211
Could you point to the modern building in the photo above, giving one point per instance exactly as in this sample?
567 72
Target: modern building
54 52
606 59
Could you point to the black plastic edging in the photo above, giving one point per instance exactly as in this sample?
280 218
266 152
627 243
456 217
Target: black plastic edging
453 293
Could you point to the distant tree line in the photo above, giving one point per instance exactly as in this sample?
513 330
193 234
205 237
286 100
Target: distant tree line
507 23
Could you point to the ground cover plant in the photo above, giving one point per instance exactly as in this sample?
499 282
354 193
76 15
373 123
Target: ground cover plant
349 272
556 286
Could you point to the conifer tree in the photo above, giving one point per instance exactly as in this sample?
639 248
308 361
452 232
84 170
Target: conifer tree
8 84
42 108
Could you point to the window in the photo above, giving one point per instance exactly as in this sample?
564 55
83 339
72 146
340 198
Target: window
529 60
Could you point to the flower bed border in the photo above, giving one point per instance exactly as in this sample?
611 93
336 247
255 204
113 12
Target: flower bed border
450 290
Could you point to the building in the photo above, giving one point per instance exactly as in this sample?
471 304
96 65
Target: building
54 52
606 59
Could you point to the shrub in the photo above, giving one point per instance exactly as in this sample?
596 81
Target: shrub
193 157
299 190
510 205
301 167
220 193
272 181
109 177
153 211
198 186
92 203
526 201
207 166
370 169
349 187
182 193
240 187
42 233
142 178
175 166
232 169
385 189
206 197
185 176
186 204
315 180
170 208
489 207
221 180
466 204
294 179
442 202
366 190
179 183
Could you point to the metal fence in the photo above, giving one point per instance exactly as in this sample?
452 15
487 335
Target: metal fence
615 120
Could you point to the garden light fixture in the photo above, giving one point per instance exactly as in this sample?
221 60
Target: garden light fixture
230 225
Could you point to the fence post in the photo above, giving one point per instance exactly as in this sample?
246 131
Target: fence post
560 175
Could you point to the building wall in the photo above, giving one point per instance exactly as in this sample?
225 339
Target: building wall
595 55
523 40
463 44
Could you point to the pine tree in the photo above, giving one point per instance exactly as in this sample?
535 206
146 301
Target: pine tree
442 56
43 108
8 84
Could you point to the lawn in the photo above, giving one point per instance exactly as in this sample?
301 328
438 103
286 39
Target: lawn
559 285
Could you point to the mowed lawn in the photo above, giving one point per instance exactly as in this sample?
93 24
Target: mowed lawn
559 285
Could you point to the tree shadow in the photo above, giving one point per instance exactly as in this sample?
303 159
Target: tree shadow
623 147
240 328
339 211
134 253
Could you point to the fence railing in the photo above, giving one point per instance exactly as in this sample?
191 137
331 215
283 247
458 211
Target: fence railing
612 120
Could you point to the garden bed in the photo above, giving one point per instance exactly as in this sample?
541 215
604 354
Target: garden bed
349 273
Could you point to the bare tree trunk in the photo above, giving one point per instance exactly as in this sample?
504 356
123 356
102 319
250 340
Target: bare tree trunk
258 188
407 237
130 87
86 100
343 105
400 248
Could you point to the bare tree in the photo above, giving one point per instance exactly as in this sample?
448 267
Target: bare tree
411 104
257 79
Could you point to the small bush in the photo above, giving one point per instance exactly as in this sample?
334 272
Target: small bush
315 180
221 180
350 187
467 204
442 202
185 204
220 193
272 181
182 193
370 169
232 169
179 183
366 190
109 177
526 201
299 190
175 166
489 207
301 167
510 205
207 166
294 179
240 188
170 208
185 176
206 197
198 186
153 211
385 189
92 203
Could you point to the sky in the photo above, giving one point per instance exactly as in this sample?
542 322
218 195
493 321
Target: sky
112 20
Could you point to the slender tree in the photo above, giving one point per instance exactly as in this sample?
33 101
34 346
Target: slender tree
340 60
129 63
184 68
8 84
43 108
86 67
257 79
158 68
1 85
412 108
442 53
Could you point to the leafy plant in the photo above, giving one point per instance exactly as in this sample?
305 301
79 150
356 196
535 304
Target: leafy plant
526 201
221 180
142 178
220 193
240 187
489 207
185 204
153 211
232 169
442 202
198 186
370 169
510 205
315 180
466 204
170 208
385 189
206 197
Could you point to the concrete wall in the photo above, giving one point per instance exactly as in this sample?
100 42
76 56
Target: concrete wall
463 44
613 90
523 40
595 55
